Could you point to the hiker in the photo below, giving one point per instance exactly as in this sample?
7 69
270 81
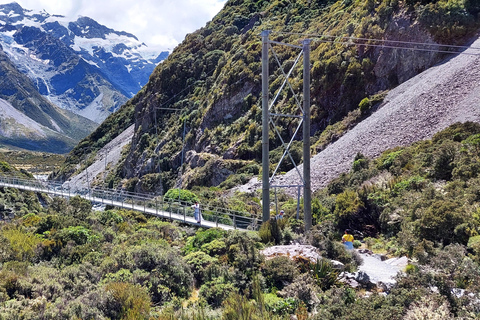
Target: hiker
196 212
280 215
347 240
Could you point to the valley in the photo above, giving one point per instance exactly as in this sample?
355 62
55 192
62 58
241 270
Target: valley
85 69
157 212
36 163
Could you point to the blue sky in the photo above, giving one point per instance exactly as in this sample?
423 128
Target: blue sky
160 24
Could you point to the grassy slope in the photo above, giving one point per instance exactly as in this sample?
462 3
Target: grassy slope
214 77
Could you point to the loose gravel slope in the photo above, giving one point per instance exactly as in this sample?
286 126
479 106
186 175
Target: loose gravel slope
415 110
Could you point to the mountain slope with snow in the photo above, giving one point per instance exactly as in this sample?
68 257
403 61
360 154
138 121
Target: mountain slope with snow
80 65
58 130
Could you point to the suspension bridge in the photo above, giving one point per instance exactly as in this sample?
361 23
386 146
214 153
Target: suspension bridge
160 207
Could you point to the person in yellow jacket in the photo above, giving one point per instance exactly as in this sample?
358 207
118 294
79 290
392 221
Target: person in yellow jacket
347 240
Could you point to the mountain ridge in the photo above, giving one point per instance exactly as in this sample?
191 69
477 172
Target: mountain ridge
212 84
19 91
51 50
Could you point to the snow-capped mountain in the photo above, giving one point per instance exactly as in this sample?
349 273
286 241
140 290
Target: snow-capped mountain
80 65
29 121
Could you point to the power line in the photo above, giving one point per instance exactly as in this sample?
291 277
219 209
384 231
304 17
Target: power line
163 105
384 43
396 47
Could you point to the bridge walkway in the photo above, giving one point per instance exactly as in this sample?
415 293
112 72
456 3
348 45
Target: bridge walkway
155 206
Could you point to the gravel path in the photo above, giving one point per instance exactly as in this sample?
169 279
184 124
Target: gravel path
378 270
382 271
112 151
417 109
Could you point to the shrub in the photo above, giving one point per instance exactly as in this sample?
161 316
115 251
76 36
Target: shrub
108 217
364 105
278 305
438 222
357 244
133 215
431 307
279 271
203 237
30 220
80 235
443 163
270 232
215 248
185 195
79 208
158 267
388 158
132 301
49 222
243 255
238 307
18 245
323 273
348 206
199 261
216 291
303 289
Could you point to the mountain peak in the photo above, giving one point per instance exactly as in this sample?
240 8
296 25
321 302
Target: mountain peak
102 66
12 7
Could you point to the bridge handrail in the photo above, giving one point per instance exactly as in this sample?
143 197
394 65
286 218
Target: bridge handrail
219 216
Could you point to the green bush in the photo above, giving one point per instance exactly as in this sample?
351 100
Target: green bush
199 261
360 162
109 217
277 305
158 267
270 232
278 272
203 237
303 289
357 244
324 274
214 248
244 256
364 105
79 208
215 292
185 195
80 235
18 245
131 301
348 206
439 221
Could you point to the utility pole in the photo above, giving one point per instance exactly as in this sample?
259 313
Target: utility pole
86 170
158 139
265 126
304 120
307 191
181 164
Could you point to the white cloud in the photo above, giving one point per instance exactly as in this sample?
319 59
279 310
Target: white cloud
159 23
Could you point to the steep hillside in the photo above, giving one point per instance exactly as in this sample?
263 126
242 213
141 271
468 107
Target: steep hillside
80 65
214 79
32 122
415 110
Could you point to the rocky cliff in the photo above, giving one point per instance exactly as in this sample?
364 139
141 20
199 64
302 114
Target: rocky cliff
211 83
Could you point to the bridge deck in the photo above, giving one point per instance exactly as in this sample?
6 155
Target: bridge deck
177 211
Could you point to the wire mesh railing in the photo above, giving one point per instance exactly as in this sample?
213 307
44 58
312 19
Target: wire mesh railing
153 205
